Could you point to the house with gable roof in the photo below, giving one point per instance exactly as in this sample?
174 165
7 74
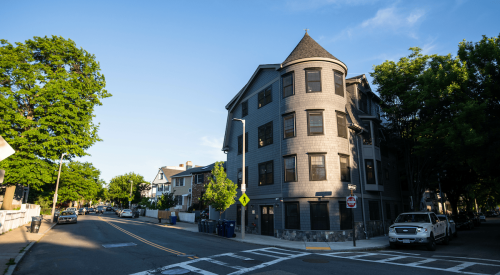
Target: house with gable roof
310 134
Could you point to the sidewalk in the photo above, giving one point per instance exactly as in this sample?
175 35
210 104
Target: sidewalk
361 245
15 243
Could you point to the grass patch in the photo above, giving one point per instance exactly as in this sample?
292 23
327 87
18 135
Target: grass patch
5 271
12 261
22 250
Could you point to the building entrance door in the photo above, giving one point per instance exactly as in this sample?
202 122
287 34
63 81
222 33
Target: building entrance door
267 220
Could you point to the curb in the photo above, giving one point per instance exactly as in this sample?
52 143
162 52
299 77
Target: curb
19 257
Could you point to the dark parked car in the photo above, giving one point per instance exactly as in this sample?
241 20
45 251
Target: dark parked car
100 209
91 210
109 208
82 211
463 222
475 218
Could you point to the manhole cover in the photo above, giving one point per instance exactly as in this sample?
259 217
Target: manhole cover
315 261
176 271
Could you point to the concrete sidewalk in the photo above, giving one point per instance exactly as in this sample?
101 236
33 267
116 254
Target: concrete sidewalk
361 245
15 243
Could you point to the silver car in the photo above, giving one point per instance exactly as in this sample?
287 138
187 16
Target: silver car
67 217
126 213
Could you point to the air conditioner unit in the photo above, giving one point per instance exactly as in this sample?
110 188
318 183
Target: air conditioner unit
189 190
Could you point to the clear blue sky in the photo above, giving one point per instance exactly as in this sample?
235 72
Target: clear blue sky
172 66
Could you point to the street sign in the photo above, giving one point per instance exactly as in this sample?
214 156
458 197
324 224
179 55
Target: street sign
351 201
244 199
5 149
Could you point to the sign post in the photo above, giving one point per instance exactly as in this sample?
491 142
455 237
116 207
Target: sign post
351 203
243 183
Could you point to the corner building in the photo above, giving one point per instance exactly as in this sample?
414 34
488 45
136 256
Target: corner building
310 132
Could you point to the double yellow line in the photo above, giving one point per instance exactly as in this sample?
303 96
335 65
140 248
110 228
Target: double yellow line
146 241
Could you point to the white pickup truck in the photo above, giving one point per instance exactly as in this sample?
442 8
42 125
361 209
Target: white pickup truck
418 228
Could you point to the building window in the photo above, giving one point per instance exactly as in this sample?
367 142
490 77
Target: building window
339 83
178 199
161 176
320 219
199 179
160 188
345 216
313 80
317 167
370 171
238 215
266 174
244 108
374 210
388 215
240 176
240 143
362 101
290 169
266 134
341 125
287 85
265 97
345 169
367 135
292 215
379 172
289 125
315 123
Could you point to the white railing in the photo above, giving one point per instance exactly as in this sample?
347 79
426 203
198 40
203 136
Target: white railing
151 213
11 219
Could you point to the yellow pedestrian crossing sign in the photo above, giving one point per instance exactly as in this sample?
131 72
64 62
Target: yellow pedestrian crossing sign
244 199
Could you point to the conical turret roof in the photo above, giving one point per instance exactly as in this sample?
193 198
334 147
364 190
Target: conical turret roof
308 48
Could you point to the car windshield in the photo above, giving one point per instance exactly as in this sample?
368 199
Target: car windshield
127 210
413 218
67 213
442 218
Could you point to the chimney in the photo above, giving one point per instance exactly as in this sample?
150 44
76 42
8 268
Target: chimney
189 165
181 165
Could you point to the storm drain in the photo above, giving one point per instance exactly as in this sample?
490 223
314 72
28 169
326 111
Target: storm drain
113 245
176 271
315 261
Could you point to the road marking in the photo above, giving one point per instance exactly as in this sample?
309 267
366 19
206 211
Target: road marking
391 259
144 240
388 251
113 245
415 264
478 259
317 248
460 266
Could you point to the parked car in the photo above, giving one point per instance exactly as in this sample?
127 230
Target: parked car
117 211
463 222
68 217
126 213
57 213
452 228
474 218
109 208
100 209
490 214
91 210
82 211
482 217
418 228
72 209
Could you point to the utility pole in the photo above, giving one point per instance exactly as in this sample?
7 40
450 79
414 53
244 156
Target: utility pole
57 187
243 183
130 196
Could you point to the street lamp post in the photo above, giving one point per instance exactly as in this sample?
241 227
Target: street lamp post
57 187
243 183
130 196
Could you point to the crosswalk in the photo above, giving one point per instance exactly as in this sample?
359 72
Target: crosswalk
247 257
250 260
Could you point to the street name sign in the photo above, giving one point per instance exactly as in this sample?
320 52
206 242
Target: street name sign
244 199
5 149
351 201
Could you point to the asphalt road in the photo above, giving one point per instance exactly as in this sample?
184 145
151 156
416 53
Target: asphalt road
79 249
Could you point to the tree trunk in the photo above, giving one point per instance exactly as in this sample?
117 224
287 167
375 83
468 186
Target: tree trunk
8 197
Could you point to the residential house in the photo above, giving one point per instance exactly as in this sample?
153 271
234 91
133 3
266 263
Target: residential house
181 186
310 133
201 177
163 179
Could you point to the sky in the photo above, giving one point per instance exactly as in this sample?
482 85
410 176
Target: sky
172 66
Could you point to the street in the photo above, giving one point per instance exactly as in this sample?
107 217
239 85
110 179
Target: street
106 244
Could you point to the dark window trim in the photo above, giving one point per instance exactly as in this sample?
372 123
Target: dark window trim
270 88
294 124
263 127
344 88
292 74
298 216
322 122
295 169
320 82
345 125
244 103
258 172
310 166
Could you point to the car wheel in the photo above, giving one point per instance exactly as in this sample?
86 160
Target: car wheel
446 239
393 245
431 246
451 235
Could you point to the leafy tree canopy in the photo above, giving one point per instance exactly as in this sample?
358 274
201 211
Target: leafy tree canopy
220 191
79 181
119 187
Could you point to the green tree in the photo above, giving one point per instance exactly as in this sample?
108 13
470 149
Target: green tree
167 201
119 187
49 89
220 191
79 182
